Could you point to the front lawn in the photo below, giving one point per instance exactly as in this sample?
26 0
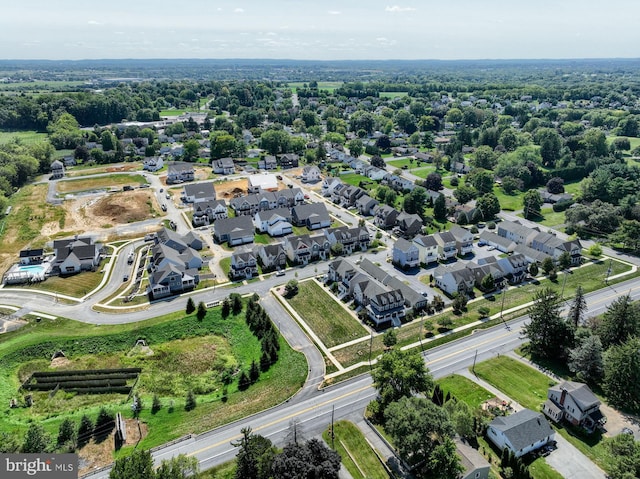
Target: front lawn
329 320
354 179
357 455
464 390
517 380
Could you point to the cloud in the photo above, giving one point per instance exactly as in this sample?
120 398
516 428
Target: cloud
334 12
94 22
238 10
399 9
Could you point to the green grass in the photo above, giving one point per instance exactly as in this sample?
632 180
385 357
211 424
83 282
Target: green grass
109 181
357 455
423 172
325 317
354 179
223 471
26 137
172 112
517 380
549 217
539 469
322 85
509 202
403 162
393 94
465 390
261 238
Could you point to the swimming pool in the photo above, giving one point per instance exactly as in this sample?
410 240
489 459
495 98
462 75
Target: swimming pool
34 269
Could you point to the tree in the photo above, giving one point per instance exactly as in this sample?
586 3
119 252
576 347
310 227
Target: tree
383 142
578 308
461 416
243 381
415 201
309 460
417 427
487 283
459 303
156 405
433 182
202 311
489 205
586 360
107 141
67 435
619 322
85 430
255 456
390 198
400 374
191 306
481 180
548 265
378 162
548 333
105 423
440 208
36 440
390 338
533 269
555 185
138 465
190 401
485 158
532 202
9 443
223 144
624 453
178 467
444 462
622 375
464 193
291 288
595 250
254 372
275 141
564 260
356 148
226 307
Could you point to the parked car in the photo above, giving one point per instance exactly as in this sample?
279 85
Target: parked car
125 278
280 273
164 207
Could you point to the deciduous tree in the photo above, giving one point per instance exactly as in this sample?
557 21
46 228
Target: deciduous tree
622 374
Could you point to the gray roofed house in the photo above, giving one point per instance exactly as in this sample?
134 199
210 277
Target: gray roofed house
446 245
31 256
57 169
366 205
351 239
409 224
179 172
427 248
178 242
195 192
574 402
206 212
305 248
521 432
413 299
501 243
474 463
313 216
456 278
385 216
75 254
223 166
272 256
244 264
235 231
269 162
405 254
516 232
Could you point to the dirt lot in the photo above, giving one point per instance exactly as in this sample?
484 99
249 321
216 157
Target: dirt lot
225 190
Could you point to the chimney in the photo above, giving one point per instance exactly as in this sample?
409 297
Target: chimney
563 396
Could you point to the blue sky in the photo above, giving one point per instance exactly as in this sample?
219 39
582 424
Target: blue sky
319 30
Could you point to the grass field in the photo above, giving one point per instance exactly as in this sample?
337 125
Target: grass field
423 171
322 85
465 390
26 137
173 112
549 217
509 202
356 453
392 94
403 162
539 469
328 319
517 380
353 179
109 181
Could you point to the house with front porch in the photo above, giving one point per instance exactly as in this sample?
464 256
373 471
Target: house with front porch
464 240
521 432
574 402
454 279
351 239
57 170
268 162
341 272
171 280
244 264
408 225
272 257
446 245
73 255
206 212
304 249
329 184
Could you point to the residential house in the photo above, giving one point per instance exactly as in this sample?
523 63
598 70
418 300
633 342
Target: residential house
347 195
288 160
289 197
573 402
464 240
515 267
268 162
276 222
553 246
178 242
31 256
179 172
385 216
532 255
413 300
171 280
153 163
73 255
405 254
427 248
272 256
374 173
384 307
446 245
329 184
163 255
366 205
310 174
453 279
223 166
244 264
350 239
502 244
206 212
408 225
554 198
474 464
313 216
248 205
303 249
57 170
341 272
521 432
68 161
398 183
196 192
517 232
483 268
234 231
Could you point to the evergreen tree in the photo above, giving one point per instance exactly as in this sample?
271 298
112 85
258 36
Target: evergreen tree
67 434
255 456
202 311
622 374
548 333
85 430
440 208
236 303
254 372
105 423
578 308
191 306
190 402
586 360
243 381
156 405
36 440
226 308
621 321
533 269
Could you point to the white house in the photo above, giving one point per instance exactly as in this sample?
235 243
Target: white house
405 254
464 240
446 245
223 166
427 248
573 402
153 163
310 174
454 279
273 222
521 432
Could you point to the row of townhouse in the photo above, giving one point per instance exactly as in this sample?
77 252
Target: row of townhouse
266 200
402 223
427 249
301 249
175 263
384 297
534 244
461 278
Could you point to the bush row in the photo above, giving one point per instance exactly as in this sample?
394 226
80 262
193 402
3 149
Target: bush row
72 372
79 377
76 384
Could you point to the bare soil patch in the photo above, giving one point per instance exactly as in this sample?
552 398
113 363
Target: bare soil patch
125 207
226 190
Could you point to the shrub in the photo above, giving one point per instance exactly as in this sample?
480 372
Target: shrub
190 402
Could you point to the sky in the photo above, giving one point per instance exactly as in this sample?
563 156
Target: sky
320 30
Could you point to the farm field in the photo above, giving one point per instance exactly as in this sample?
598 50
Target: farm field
329 320
27 137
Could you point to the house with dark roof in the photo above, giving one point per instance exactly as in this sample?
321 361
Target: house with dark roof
313 216
366 205
304 249
453 279
288 160
464 240
573 402
384 306
223 166
446 245
179 172
194 192
310 174
153 163
405 254
57 170
276 222
427 248
385 216
351 239
206 212
341 272
178 242
408 225
553 246
413 300
234 231
272 256
521 432
75 254
244 264
171 280
268 162
31 256
474 464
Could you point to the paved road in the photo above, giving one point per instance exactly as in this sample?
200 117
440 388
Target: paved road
312 413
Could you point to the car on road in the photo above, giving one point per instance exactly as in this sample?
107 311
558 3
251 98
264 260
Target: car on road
626 430
161 190
164 207
125 278
279 177
168 196
280 273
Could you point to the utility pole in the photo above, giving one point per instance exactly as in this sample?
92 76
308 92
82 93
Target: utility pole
473 368
370 347
606 279
333 434
504 291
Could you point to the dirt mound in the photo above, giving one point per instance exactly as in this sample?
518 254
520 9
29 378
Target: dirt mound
125 207
122 168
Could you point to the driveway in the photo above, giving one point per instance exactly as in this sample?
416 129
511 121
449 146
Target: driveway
571 463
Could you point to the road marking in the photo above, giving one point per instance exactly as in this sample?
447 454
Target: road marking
276 421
